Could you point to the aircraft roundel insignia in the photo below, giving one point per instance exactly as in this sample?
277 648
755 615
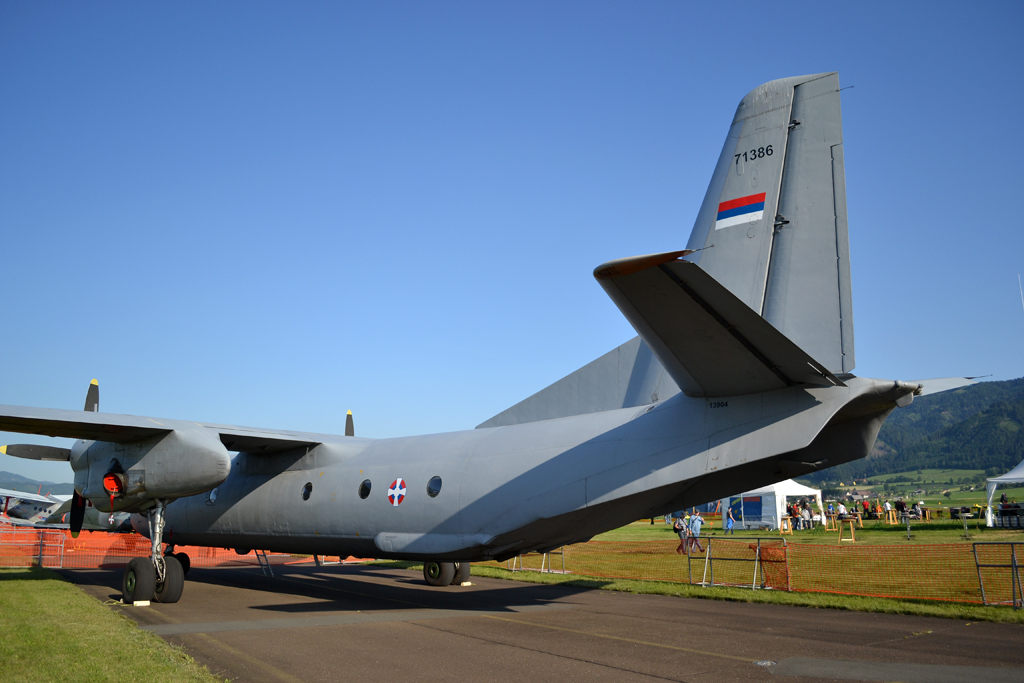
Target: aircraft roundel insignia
396 492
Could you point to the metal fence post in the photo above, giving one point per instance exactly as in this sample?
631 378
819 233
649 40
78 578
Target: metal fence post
1015 579
785 555
757 562
981 582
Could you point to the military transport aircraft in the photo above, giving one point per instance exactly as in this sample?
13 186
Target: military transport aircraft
740 377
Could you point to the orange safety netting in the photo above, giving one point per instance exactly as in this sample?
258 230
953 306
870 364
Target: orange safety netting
920 572
952 572
23 546
733 562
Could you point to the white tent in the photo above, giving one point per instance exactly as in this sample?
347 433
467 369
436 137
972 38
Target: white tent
764 507
1014 476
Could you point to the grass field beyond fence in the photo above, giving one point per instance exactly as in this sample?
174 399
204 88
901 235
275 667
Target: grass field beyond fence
944 570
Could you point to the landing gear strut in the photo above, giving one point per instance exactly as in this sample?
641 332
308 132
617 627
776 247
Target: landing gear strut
157 576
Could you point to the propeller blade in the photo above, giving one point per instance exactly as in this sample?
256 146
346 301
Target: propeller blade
34 452
350 428
77 514
92 399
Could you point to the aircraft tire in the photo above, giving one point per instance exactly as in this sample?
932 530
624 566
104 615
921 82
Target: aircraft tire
174 581
139 580
186 563
438 573
461 573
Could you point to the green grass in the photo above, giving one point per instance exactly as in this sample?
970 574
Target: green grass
926 608
53 631
926 475
874 533
935 481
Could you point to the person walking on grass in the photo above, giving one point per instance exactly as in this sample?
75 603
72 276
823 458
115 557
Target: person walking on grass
695 522
730 524
679 526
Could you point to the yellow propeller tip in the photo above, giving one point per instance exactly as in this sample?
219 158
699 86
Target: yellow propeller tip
350 412
94 382
3 449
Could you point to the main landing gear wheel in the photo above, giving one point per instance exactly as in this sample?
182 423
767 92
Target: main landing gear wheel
438 573
174 581
461 573
139 581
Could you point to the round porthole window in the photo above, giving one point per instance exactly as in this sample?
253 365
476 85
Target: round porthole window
434 487
364 489
306 490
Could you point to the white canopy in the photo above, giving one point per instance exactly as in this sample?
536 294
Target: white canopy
1014 476
779 492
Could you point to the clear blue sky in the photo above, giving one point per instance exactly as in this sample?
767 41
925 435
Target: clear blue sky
267 214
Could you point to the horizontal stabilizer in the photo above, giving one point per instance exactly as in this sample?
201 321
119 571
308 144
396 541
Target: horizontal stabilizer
710 342
935 386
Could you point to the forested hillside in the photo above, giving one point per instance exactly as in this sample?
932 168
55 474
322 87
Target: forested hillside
16 482
977 427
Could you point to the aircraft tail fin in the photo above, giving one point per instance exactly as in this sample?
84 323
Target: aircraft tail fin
775 213
709 341
772 230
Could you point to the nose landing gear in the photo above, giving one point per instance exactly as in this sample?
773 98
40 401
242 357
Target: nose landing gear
157 576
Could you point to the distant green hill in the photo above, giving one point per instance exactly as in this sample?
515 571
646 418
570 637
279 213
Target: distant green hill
16 482
976 427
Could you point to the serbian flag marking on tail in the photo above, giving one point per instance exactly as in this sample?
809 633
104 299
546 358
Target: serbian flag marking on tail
743 210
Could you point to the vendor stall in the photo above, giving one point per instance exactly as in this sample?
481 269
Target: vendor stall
763 508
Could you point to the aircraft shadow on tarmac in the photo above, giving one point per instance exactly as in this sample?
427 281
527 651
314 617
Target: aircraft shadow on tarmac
351 588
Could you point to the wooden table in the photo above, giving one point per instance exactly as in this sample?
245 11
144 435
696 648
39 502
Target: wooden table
842 526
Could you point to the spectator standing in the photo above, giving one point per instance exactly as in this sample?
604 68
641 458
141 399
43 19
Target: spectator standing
695 522
805 518
730 524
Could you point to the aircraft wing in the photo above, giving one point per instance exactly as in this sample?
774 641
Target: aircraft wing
254 440
710 342
21 495
78 424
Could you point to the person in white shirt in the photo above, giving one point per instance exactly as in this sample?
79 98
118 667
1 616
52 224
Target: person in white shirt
842 511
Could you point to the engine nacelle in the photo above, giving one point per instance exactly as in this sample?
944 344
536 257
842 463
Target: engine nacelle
183 462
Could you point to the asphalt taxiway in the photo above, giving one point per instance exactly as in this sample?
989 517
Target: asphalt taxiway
356 622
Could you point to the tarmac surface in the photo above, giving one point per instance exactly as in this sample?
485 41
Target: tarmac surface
338 623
